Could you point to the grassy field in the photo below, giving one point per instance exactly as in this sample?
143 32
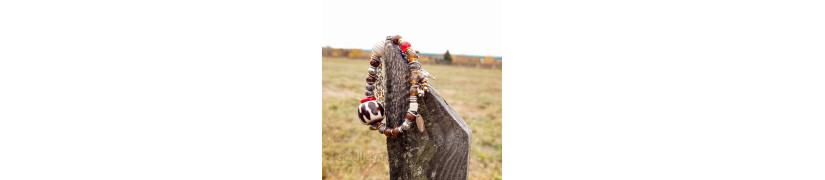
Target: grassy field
350 149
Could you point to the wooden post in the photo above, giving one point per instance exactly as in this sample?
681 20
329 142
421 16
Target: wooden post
442 151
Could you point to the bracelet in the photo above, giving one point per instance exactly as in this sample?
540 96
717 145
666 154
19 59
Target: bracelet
371 110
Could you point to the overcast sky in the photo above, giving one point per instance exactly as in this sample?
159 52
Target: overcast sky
463 27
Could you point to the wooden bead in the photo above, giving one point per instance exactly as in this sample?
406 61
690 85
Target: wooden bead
370 87
388 132
369 93
370 79
375 62
396 131
410 116
396 39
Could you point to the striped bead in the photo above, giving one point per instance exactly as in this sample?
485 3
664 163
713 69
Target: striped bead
370 112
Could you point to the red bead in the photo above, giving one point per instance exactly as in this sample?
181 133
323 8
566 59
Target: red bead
367 99
388 131
396 131
404 46
370 79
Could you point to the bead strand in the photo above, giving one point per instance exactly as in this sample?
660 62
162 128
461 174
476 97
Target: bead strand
374 91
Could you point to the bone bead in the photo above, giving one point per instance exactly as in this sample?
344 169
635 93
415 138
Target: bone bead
370 111
414 107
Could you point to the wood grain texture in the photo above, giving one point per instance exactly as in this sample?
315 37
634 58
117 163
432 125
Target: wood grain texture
442 151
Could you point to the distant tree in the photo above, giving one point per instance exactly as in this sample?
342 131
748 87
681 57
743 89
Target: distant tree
355 53
448 59
327 51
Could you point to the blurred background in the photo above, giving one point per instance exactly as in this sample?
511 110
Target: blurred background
460 44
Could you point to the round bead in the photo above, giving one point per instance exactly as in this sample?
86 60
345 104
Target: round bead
396 39
372 70
370 79
370 87
410 116
405 45
388 132
420 92
396 131
414 79
374 62
369 93
370 112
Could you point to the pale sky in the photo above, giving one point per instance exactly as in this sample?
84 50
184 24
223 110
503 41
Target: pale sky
463 27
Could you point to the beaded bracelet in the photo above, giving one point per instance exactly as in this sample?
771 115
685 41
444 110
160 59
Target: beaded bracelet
371 110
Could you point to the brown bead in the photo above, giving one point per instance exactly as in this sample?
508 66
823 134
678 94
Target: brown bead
388 131
370 87
370 79
410 116
396 39
414 79
369 93
374 62
396 131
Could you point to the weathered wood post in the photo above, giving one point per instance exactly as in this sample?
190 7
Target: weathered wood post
442 151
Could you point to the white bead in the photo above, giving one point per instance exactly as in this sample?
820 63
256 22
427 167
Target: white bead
406 125
414 107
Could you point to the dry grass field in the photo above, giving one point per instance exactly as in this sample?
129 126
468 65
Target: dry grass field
351 151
